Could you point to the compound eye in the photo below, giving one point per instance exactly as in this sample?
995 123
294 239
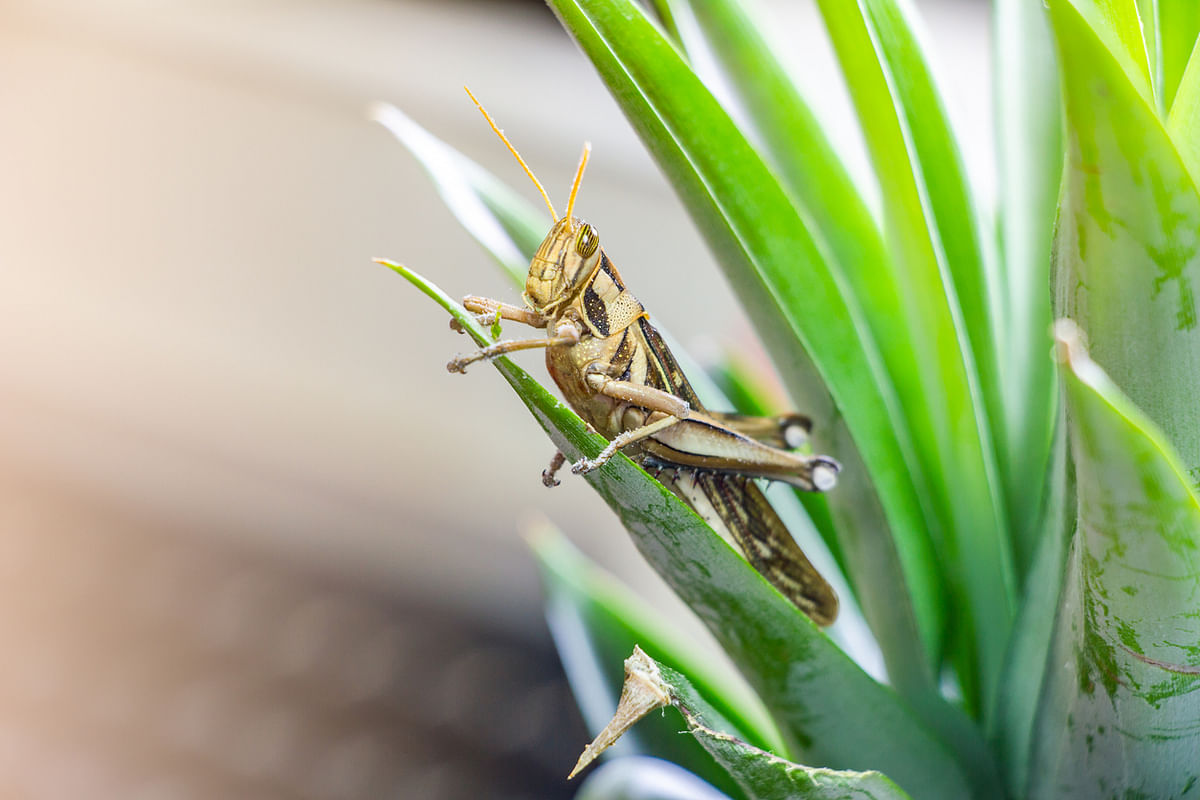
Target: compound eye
586 241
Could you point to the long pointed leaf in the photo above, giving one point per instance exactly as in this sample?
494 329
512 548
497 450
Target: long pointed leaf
1026 666
1030 155
1118 24
509 228
1183 123
933 235
905 123
813 174
1121 710
803 309
1178 26
1127 256
1149 28
828 709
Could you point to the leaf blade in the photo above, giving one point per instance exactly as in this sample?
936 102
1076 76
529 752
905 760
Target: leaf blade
1185 116
1179 27
1030 156
1126 255
1120 706
929 224
508 227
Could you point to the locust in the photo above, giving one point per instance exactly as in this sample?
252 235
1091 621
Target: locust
614 369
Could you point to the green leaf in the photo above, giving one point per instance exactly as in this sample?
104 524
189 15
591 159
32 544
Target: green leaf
1183 123
829 711
948 288
813 173
1025 668
596 621
1126 258
642 778
767 777
928 204
1149 36
1178 26
803 310
667 13
1120 709
1029 150
1118 24
507 226
762 776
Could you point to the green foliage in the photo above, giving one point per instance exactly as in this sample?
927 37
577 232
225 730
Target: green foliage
1121 710
1031 534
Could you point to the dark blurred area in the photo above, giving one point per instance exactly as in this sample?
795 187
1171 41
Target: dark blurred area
139 665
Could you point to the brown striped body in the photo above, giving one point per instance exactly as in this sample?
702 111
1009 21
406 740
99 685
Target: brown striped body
703 458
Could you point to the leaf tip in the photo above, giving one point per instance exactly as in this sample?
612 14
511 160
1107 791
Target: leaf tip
644 691
392 265
1068 341
380 111
1070 351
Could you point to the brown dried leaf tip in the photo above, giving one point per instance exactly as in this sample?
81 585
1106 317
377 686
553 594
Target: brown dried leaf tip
644 691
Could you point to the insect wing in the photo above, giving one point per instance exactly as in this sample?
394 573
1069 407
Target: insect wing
734 505
663 370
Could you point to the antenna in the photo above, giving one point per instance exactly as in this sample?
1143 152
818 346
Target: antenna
583 159
516 155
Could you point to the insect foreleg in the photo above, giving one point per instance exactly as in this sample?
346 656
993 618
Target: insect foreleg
494 310
585 465
567 333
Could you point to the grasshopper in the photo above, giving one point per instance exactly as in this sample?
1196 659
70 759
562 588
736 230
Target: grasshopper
614 369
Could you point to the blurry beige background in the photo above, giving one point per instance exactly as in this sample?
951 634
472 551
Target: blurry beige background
233 469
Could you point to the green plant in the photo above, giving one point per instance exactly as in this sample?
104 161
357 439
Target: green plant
1023 542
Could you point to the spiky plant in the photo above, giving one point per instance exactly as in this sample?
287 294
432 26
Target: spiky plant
1018 538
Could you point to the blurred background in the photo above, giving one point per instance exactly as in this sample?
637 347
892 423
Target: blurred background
255 541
